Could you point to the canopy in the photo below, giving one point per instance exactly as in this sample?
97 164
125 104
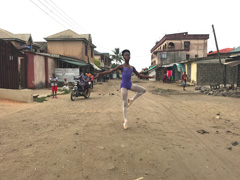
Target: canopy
79 63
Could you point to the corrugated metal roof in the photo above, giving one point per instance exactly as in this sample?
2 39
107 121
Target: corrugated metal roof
225 50
236 49
232 63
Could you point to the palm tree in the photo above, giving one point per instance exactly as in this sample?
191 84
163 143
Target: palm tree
117 56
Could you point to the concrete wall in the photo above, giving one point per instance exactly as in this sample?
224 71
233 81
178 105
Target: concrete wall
23 95
75 49
194 72
212 73
39 71
178 53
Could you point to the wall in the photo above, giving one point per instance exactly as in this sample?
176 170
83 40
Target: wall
213 73
30 70
75 49
39 71
52 65
194 72
23 95
178 53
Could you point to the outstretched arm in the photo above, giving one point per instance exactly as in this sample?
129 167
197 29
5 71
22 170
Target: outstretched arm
109 71
141 75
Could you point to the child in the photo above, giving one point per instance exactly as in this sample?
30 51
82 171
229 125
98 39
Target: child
54 81
65 85
184 79
127 84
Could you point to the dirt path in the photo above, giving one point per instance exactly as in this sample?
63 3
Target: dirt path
84 139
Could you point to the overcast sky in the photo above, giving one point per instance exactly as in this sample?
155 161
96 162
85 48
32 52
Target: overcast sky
127 24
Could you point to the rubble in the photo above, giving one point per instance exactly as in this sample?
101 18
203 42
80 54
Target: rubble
221 91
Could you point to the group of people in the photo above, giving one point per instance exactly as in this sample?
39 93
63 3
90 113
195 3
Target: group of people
84 78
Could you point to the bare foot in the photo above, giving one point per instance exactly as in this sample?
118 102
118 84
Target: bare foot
125 124
129 102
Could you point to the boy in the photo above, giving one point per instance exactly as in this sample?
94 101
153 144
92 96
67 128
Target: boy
54 81
184 79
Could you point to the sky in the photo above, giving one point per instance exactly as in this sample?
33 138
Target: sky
127 24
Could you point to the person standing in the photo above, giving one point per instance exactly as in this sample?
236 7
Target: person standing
54 81
184 80
126 84
92 78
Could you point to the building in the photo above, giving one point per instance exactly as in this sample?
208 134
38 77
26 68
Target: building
104 58
69 43
174 48
20 41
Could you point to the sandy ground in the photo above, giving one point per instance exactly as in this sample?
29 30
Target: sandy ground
84 139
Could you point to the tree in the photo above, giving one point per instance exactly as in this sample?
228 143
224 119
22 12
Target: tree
97 63
117 56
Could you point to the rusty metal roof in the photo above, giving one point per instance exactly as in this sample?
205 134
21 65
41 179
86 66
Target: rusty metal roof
232 63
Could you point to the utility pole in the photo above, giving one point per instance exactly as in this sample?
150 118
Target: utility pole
224 67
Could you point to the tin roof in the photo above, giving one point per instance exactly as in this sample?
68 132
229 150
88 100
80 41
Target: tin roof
225 50
236 49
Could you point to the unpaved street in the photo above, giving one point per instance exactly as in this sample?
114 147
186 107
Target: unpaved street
170 137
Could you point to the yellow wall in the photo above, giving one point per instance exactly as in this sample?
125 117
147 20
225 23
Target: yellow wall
193 72
75 49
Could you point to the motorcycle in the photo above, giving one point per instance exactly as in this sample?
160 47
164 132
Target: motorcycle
90 85
79 90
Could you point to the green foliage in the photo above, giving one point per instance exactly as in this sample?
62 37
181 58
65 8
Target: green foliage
117 56
97 63
41 99
114 65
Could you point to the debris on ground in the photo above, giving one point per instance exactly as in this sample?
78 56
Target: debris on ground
202 131
219 91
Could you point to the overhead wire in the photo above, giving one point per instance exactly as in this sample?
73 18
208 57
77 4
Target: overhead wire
47 13
56 15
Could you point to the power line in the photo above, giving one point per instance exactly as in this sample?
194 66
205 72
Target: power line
108 49
61 14
47 13
55 14
67 16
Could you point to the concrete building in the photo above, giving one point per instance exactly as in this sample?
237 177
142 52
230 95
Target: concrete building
68 43
174 48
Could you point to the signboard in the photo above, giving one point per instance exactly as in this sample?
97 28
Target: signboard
68 73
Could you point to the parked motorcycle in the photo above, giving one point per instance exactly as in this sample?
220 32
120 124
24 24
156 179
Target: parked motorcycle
79 89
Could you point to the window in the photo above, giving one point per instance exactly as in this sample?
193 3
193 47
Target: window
186 44
196 55
85 50
91 52
187 56
164 55
171 45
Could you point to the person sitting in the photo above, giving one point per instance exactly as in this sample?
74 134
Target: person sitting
83 81
65 85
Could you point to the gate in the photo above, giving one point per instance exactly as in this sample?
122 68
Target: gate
9 66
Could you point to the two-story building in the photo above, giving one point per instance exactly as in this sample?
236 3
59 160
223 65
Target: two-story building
69 43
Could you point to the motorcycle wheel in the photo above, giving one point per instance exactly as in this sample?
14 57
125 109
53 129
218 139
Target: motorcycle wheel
87 93
73 95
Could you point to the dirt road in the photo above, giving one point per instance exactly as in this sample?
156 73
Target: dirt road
170 137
